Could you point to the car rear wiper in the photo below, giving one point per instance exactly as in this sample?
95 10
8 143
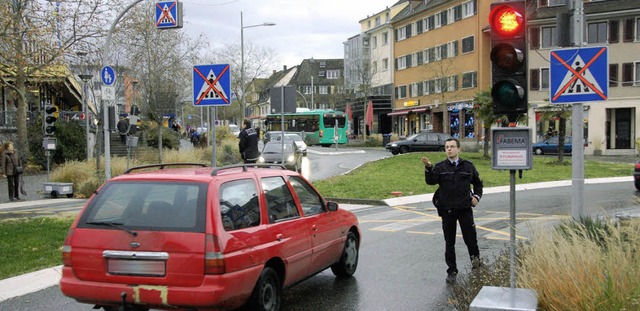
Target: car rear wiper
111 224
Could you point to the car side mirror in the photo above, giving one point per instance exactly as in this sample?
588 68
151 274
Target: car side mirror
332 206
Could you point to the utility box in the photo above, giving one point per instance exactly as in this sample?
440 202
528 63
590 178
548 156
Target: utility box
57 189
492 298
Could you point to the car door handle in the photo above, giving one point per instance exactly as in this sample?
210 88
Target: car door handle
314 228
279 236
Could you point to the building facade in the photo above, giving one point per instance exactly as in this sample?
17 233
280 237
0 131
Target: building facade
610 126
440 55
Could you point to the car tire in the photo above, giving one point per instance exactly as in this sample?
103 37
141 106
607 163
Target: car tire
637 185
404 149
348 263
267 294
538 151
394 152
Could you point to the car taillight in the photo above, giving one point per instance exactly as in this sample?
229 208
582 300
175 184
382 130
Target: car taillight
213 257
66 249
321 133
638 165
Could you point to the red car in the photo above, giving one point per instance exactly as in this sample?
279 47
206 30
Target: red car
175 236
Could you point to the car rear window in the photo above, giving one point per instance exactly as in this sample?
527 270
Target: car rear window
166 206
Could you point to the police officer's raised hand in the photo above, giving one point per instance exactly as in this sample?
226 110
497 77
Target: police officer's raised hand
426 162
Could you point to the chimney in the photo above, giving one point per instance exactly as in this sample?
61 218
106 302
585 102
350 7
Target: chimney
274 71
284 67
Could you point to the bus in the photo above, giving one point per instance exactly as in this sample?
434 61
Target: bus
317 126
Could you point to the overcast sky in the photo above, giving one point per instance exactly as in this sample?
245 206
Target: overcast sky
304 28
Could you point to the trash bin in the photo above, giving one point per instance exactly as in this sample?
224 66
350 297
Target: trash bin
386 138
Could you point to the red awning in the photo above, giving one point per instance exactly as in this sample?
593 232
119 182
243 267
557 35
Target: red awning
398 113
419 110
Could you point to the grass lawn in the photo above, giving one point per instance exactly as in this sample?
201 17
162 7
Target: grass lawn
405 173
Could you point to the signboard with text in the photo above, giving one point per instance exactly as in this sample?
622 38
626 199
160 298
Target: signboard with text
511 148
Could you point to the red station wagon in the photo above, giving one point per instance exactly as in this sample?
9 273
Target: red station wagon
175 236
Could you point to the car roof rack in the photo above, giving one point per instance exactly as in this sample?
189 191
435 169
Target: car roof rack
245 166
162 166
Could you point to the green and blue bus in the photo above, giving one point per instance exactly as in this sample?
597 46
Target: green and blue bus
318 126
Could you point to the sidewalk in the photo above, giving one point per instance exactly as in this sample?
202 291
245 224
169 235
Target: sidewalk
38 280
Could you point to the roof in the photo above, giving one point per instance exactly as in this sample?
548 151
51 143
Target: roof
311 67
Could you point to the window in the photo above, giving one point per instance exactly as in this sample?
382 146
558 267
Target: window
468 9
280 202
638 29
402 33
309 199
385 64
427 87
239 207
323 89
438 20
307 89
385 38
413 91
333 74
467 45
402 62
543 3
437 86
431 55
374 42
419 58
549 37
597 32
457 13
453 48
627 35
453 83
469 80
613 75
614 31
419 27
444 51
637 76
323 64
431 22
444 17
544 78
402 91
377 21
534 79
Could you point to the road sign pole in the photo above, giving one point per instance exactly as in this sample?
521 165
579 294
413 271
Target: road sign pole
577 121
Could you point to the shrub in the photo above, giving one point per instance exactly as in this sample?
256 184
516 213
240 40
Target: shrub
71 143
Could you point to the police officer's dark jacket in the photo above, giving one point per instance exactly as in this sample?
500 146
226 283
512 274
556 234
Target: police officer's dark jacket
455 183
249 144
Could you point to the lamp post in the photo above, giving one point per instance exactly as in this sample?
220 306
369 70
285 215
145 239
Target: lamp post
242 27
85 76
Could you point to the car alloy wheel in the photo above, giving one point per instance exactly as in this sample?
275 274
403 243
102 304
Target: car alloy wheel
348 263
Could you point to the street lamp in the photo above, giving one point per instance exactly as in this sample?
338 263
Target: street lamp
242 27
85 76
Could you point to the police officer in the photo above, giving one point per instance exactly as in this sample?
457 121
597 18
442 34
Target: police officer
249 143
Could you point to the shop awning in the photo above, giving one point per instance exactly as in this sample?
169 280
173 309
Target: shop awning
419 110
398 113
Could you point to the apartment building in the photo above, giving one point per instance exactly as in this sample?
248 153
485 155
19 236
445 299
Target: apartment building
611 126
368 73
441 60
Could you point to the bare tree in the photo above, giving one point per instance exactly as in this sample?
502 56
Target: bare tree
33 43
162 59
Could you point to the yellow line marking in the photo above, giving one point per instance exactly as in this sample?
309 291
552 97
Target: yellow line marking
421 232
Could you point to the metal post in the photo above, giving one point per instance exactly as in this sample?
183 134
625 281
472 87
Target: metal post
577 119
213 139
242 66
85 76
512 228
313 105
282 122
105 115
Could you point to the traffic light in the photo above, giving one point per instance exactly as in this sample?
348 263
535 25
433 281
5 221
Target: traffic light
50 118
508 58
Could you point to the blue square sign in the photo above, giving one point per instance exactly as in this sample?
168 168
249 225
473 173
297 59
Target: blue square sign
579 75
211 85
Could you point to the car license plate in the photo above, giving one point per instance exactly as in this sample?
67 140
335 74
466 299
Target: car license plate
136 267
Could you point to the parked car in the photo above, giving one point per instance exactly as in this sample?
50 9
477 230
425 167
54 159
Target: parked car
288 136
636 175
551 146
272 152
423 141
171 236
235 130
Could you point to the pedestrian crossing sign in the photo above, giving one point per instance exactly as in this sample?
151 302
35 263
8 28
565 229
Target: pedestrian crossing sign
579 75
211 85
168 15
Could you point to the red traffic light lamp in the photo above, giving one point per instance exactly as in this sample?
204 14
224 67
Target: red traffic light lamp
508 58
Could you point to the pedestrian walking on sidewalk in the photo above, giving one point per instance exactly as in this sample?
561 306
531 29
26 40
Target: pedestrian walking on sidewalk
12 165
454 200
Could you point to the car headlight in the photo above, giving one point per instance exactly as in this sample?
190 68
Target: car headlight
291 158
261 159
394 145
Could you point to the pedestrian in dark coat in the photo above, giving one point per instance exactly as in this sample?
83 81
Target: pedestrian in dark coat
10 163
249 143
454 201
